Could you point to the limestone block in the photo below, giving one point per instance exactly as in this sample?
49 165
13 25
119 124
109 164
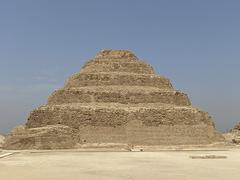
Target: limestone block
117 79
109 53
47 137
115 114
106 65
115 98
118 94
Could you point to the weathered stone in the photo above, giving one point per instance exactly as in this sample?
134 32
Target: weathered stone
236 128
47 137
115 98
115 114
109 53
117 65
233 136
120 94
2 139
117 79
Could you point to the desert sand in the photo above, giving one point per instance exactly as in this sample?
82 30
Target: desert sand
73 164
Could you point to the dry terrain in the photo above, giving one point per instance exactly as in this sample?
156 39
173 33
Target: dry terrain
166 164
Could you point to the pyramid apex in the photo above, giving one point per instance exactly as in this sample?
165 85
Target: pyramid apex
111 53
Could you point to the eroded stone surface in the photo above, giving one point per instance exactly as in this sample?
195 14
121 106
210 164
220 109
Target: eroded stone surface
117 79
120 94
2 139
237 127
114 114
115 98
117 65
233 136
109 53
47 137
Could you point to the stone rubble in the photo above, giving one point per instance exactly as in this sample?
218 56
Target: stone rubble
233 136
2 139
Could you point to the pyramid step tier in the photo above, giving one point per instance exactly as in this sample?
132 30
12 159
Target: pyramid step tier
116 54
115 98
114 114
118 65
119 94
121 79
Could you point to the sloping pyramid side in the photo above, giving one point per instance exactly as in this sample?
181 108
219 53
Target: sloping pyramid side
115 98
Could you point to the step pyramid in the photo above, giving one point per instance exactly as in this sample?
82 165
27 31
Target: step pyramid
115 98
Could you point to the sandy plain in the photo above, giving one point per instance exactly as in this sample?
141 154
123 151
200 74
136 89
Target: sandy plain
165 164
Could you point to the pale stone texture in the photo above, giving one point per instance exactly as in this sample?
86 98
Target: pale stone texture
115 98
2 139
237 127
47 137
233 136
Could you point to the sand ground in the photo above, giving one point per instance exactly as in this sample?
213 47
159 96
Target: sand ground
72 165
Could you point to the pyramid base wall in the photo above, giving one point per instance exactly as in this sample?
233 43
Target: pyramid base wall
136 134
116 123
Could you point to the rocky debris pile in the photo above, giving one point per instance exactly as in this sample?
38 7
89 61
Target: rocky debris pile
236 128
115 98
233 136
2 139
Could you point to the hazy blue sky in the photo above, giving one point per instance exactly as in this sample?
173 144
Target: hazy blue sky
194 43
